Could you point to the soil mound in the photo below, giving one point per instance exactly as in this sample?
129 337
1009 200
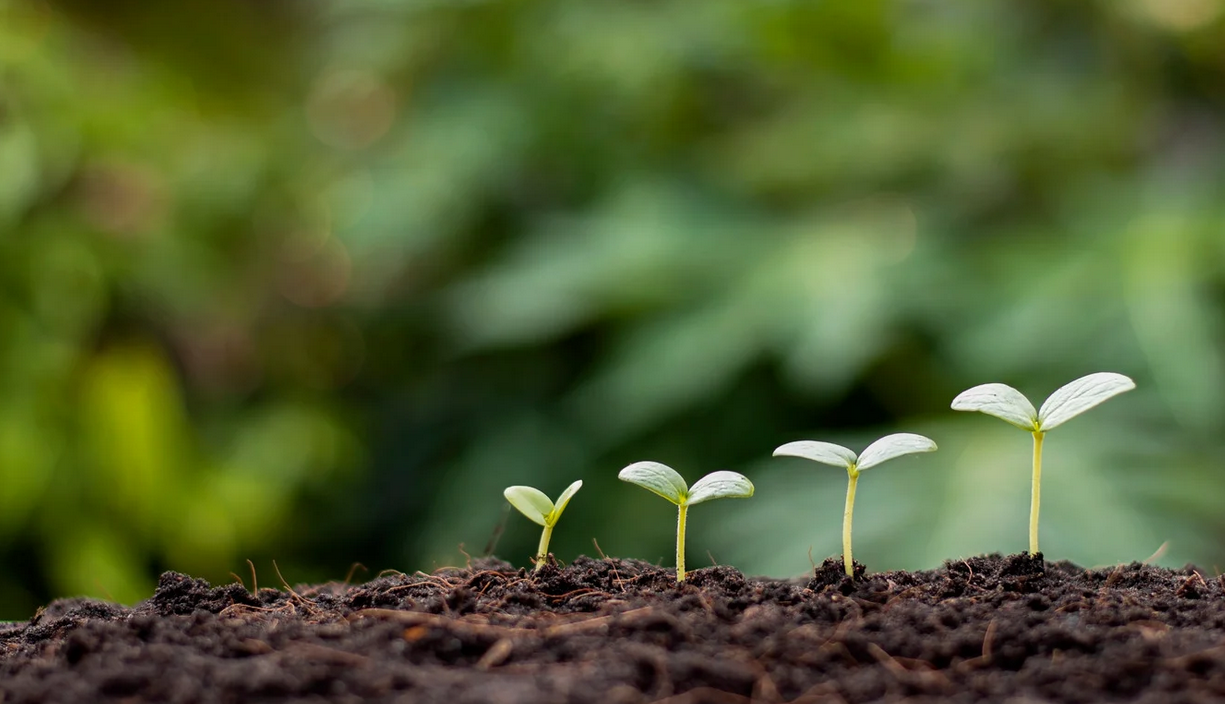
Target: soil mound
986 629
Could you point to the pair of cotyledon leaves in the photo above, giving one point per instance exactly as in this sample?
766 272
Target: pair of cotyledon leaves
880 451
536 506
664 481
999 400
658 478
1068 401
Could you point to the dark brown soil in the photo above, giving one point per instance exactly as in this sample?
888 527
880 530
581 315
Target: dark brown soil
986 629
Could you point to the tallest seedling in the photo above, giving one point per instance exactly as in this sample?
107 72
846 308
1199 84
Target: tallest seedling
1003 401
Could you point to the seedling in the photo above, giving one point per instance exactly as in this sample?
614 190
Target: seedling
537 507
1003 401
663 480
880 451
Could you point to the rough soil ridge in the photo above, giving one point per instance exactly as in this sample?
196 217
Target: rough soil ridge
986 629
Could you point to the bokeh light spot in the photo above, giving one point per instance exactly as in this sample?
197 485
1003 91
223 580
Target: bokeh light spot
350 109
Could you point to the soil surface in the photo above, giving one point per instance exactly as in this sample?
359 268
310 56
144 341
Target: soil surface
999 629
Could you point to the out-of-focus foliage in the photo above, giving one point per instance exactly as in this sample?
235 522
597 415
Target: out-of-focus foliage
315 280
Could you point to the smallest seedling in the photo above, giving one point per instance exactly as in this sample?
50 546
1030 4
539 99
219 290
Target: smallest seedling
540 510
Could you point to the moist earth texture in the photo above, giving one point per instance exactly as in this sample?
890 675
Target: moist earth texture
986 629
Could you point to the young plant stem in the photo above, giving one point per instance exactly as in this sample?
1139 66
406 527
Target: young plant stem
680 542
847 561
542 552
1036 493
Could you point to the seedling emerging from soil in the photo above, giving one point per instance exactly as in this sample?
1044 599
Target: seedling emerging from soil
663 480
537 507
880 451
1069 401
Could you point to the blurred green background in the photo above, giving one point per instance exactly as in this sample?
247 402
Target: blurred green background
314 280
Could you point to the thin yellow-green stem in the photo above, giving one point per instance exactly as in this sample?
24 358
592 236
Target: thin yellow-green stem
847 561
542 552
680 542
1036 493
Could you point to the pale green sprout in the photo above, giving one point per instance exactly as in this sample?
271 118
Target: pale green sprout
664 481
540 510
882 450
1069 401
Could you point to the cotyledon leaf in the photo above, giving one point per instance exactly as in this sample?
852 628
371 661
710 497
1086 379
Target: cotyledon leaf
892 446
823 452
563 500
1078 396
657 478
720 485
1001 401
530 502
